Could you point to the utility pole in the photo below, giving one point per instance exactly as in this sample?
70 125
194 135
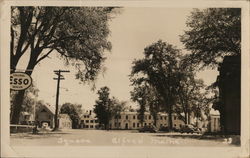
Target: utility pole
59 77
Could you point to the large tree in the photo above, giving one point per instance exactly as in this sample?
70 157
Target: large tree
102 107
212 34
159 67
77 34
191 91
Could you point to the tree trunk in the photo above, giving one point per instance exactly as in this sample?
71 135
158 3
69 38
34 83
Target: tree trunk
17 107
155 119
170 123
18 100
186 118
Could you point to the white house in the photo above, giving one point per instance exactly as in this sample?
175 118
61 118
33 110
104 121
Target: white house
89 120
130 120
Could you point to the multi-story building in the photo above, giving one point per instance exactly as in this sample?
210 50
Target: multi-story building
130 120
89 120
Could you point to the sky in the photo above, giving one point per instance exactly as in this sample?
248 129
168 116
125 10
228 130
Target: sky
131 31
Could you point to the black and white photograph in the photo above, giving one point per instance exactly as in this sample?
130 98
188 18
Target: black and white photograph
127 77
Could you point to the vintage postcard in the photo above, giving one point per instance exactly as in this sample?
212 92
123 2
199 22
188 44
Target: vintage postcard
125 78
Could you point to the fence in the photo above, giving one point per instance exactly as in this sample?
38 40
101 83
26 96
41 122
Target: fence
21 128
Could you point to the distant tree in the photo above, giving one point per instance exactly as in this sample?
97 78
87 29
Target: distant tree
117 107
212 34
139 95
102 107
29 101
147 97
77 34
159 67
74 111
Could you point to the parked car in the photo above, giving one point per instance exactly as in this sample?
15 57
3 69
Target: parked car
189 129
150 128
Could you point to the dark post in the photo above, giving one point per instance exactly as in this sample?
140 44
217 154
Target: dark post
60 77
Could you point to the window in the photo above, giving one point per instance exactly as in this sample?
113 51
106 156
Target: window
126 117
91 126
96 121
138 117
145 117
149 124
119 124
174 125
138 124
161 118
87 126
149 117
91 121
174 117
115 124
145 124
134 117
165 117
43 110
133 124
120 116
26 117
82 121
87 121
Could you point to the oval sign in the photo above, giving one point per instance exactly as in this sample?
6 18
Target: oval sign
20 81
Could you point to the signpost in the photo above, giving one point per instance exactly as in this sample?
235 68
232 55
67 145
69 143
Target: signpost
20 81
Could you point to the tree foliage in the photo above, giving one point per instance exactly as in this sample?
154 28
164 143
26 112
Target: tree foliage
192 96
102 107
30 99
77 34
147 97
158 68
213 33
117 107
74 111
107 107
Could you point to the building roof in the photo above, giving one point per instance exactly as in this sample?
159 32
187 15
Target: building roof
50 108
87 113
